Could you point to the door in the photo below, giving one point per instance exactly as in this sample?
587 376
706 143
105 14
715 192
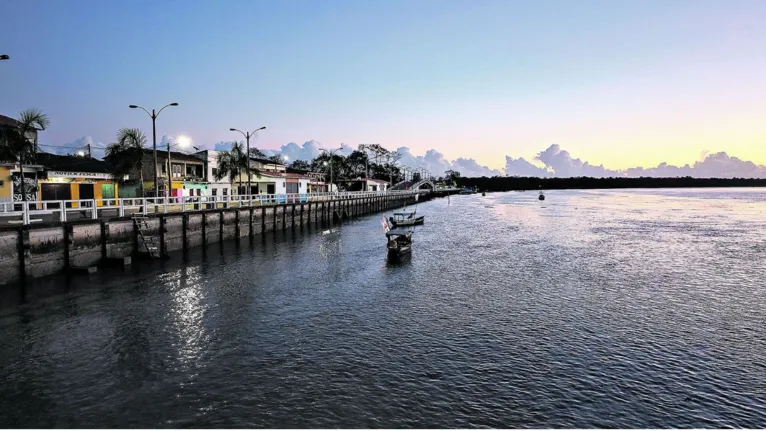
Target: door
86 192
55 192
107 191
292 187
270 189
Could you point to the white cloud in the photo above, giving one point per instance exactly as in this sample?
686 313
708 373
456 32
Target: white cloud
563 165
522 168
471 168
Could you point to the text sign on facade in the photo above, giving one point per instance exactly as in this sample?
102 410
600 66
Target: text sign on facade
67 174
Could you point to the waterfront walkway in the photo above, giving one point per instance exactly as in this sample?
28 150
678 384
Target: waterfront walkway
20 213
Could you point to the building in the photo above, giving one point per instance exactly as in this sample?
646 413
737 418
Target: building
373 185
316 180
215 187
73 178
188 177
10 174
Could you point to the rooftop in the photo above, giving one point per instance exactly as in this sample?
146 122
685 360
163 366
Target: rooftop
176 156
72 163
8 121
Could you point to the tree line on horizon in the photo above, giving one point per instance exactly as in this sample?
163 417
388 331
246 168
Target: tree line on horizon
504 184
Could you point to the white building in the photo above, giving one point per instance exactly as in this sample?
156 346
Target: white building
374 185
220 187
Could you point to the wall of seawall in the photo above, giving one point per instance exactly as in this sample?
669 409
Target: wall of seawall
39 250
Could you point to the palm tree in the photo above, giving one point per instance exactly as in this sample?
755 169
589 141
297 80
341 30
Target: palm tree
19 143
231 163
127 154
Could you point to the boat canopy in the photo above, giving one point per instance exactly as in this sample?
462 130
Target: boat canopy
397 232
404 214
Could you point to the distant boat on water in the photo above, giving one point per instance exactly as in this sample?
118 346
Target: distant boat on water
541 197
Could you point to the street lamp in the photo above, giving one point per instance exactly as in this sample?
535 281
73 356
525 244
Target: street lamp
154 116
247 136
331 153
5 57
182 141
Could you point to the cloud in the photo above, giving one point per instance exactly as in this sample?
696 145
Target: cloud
471 168
522 168
718 165
563 165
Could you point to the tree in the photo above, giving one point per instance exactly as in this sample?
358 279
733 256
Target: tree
277 158
452 176
234 163
127 154
392 158
19 143
258 154
300 165
356 163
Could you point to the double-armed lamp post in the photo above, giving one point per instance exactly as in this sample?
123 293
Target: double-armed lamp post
247 136
154 116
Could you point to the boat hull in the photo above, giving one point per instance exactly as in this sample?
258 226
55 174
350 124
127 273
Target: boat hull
399 250
410 222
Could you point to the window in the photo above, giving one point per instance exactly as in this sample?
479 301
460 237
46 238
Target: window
215 172
215 191
225 191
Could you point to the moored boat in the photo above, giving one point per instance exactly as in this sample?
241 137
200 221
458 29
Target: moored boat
399 241
406 219
541 197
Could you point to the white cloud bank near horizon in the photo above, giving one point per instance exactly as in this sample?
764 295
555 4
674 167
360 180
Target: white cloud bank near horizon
551 162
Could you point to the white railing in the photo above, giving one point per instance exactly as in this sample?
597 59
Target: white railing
92 208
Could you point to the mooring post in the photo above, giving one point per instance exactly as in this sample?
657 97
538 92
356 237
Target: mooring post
67 242
250 229
204 230
103 239
220 226
162 236
184 234
22 265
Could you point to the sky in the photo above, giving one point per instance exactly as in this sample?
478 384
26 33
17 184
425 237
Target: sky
484 84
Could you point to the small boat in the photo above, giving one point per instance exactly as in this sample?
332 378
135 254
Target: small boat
399 241
483 193
541 197
406 219
466 191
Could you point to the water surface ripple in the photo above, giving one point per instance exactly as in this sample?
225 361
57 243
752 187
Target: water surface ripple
642 308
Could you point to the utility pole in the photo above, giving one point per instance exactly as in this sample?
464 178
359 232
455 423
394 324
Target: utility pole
89 153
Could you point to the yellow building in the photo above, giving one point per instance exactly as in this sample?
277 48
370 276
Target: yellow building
74 178
10 182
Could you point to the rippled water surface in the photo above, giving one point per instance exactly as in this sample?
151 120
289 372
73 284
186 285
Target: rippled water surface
643 308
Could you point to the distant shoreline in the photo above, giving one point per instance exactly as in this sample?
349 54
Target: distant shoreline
505 184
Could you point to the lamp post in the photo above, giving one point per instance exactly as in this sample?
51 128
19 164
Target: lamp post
331 153
182 142
154 116
247 136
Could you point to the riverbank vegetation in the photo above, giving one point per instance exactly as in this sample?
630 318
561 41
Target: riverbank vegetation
503 184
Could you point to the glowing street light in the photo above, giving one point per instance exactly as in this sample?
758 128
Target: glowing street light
154 115
331 153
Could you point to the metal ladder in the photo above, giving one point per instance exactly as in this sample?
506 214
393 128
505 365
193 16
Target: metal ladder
142 224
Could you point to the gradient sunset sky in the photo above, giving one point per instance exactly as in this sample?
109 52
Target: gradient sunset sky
616 82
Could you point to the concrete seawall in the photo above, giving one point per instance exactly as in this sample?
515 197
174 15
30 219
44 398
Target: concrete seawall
39 250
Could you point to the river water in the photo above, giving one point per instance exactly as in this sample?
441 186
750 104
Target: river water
630 308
